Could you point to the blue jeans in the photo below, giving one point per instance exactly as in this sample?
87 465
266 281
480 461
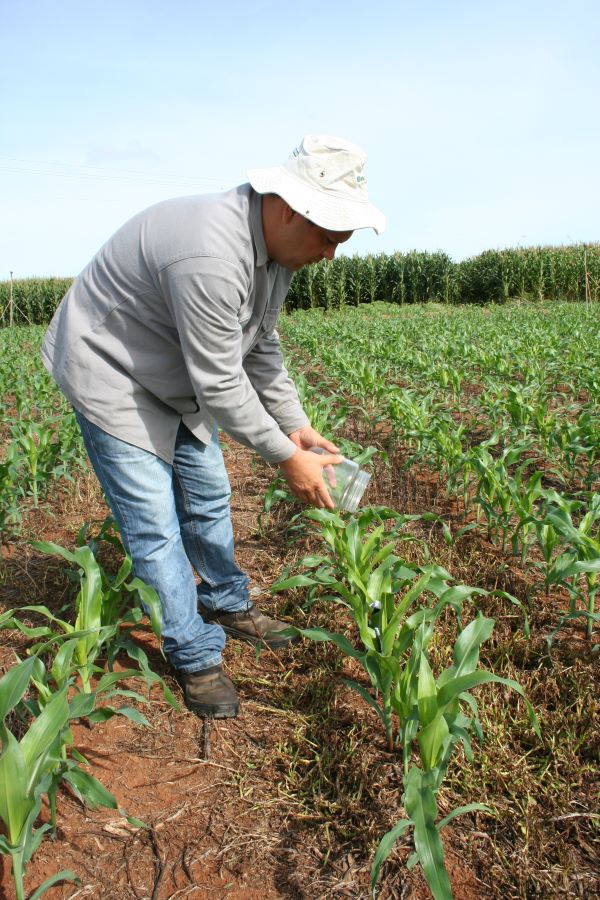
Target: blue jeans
174 519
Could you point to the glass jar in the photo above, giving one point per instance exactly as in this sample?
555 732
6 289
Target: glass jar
346 482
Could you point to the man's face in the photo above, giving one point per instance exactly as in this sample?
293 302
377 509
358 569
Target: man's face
308 243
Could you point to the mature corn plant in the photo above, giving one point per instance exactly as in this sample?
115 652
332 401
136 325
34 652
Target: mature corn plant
483 279
356 283
31 301
372 278
394 286
494 276
339 269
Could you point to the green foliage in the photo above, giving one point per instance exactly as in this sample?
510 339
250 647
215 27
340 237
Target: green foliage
106 608
394 606
495 276
42 440
27 768
33 300
501 403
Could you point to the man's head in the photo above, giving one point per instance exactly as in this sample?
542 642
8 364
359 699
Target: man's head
318 197
293 240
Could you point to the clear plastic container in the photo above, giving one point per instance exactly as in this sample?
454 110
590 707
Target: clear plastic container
346 482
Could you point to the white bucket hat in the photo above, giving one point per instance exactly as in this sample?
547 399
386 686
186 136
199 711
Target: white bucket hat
323 180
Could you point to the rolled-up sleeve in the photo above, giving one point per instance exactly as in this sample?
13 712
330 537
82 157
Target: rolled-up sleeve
205 295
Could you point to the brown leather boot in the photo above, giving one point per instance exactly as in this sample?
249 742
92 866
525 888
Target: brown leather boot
209 692
250 625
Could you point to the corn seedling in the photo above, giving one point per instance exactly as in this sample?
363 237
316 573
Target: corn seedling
26 773
103 605
394 607
39 763
582 559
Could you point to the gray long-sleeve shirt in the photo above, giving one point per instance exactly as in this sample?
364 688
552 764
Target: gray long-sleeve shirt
174 319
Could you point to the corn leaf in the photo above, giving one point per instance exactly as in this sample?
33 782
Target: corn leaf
65 875
320 634
293 582
427 692
432 739
420 804
14 684
366 696
61 664
15 801
385 848
466 648
151 603
463 810
89 789
36 742
103 713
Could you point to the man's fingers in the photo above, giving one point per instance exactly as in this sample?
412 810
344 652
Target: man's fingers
323 501
329 459
305 476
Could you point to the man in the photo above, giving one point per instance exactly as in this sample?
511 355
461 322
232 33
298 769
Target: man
166 336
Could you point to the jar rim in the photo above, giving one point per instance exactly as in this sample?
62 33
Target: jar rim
354 491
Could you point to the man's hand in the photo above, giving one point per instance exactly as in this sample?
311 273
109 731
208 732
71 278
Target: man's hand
307 437
304 475
303 478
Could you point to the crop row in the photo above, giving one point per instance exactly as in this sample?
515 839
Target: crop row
535 273
41 442
510 424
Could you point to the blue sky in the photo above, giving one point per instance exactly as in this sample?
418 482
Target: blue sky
480 120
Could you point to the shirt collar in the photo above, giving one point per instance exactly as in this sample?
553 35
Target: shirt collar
256 228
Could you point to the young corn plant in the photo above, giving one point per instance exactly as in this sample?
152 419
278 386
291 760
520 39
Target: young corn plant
395 606
578 446
40 454
581 561
493 493
363 574
525 493
103 605
441 714
10 514
26 772
40 762
85 706
389 600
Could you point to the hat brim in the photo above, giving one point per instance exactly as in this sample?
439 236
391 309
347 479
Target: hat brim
327 209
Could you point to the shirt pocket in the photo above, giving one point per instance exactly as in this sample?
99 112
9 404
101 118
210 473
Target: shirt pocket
271 315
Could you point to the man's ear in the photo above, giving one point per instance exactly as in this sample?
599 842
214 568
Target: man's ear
287 213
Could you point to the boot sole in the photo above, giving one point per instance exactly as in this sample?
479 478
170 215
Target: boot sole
210 711
271 643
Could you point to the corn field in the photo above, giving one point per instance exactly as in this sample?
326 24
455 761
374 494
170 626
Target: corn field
536 273
443 704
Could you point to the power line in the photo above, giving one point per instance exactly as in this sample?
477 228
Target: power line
95 173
